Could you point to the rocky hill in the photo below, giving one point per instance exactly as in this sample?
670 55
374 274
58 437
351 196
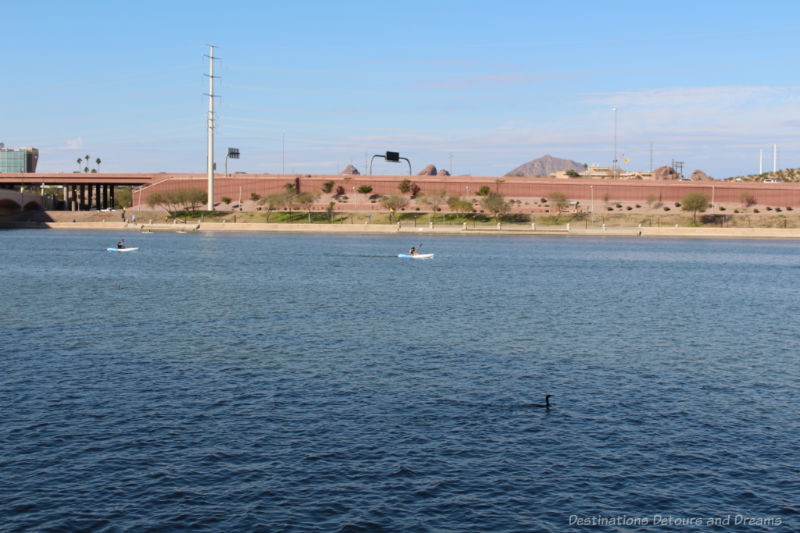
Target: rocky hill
790 175
430 170
350 169
546 165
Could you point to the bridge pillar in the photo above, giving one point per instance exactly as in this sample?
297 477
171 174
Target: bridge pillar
111 190
98 197
105 196
82 198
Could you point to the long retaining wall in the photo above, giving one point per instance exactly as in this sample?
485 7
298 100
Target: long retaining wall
586 191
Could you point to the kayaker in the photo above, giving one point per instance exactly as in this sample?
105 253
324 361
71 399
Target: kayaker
412 251
121 244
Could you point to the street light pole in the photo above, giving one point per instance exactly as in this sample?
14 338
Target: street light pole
615 143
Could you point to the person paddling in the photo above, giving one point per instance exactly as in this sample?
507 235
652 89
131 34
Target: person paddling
121 244
412 251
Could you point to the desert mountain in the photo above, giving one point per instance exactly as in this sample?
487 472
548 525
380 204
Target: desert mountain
546 165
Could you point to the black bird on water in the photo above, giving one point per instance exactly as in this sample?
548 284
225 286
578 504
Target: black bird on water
545 405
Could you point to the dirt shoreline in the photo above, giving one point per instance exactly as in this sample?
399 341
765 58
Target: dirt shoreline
426 229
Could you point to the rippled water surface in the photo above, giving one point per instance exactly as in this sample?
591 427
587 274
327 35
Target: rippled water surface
319 383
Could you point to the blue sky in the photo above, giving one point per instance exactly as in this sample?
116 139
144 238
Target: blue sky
484 85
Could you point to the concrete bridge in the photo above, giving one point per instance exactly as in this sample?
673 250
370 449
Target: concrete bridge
78 192
14 200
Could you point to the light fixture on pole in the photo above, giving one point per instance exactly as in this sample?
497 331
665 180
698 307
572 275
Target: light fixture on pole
393 157
233 153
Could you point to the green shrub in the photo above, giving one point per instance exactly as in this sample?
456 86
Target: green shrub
629 208
677 204
756 210
789 208
226 199
666 208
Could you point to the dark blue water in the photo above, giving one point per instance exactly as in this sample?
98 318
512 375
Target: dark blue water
318 383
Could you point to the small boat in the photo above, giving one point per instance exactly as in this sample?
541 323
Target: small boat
121 249
415 256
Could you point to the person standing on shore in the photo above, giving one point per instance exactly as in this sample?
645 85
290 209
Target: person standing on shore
123 214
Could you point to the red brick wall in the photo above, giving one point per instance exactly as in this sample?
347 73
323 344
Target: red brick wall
771 194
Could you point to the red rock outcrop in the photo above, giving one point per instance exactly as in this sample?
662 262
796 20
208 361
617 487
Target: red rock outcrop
430 170
350 169
699 175
666 173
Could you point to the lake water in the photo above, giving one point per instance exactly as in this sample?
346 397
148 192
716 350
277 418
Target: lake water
263 382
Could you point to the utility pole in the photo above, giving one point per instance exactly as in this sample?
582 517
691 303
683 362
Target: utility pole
210 156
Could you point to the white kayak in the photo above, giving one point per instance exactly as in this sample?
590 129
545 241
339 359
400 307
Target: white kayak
415 256
121 249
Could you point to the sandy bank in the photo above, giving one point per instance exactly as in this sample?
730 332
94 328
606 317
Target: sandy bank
428 229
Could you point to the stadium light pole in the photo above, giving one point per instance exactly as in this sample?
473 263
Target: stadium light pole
233 153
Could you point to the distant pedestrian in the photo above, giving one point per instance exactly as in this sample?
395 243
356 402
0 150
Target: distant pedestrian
133 219
123 214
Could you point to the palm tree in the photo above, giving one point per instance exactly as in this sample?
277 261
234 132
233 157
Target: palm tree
98 161
79 164
87 164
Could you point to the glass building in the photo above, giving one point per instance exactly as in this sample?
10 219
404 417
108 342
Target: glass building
18 159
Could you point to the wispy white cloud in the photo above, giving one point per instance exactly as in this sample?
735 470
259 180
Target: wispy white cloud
743 110
484 81
72 144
